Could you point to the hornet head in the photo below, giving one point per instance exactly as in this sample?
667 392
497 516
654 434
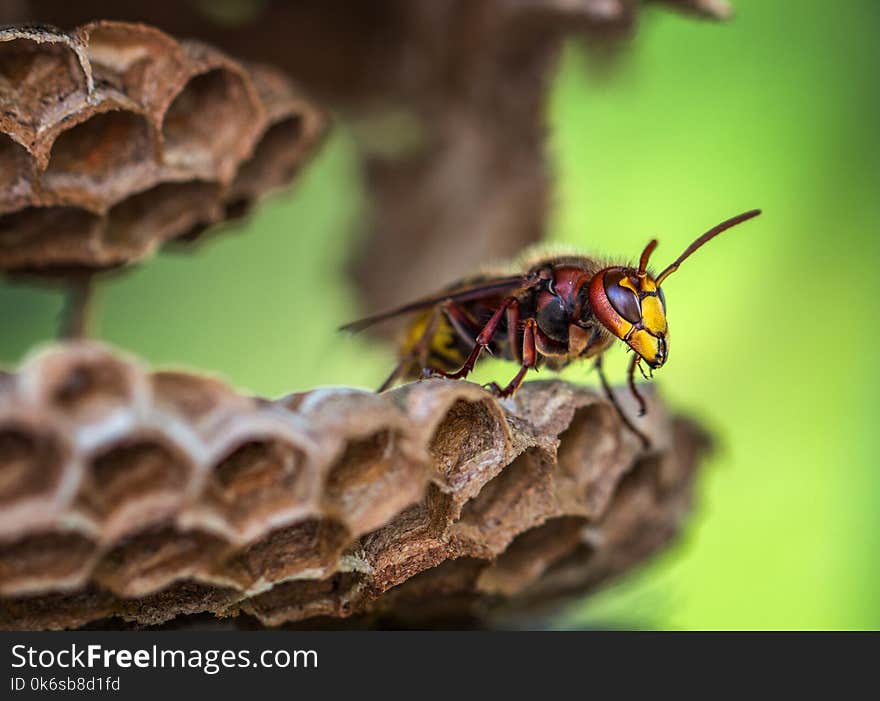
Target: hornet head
629 302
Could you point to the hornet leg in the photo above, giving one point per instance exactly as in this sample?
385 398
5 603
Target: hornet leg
529 360
418 351
463 324
632 384
623 417
513 332
484 338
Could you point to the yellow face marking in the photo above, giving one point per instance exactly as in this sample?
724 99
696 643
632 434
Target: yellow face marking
653 316
648 285
624 282
645 345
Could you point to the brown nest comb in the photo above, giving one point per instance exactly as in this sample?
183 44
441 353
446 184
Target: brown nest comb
448 101
148 495
115 138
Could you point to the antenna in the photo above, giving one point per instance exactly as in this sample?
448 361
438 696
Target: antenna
643 261
705 238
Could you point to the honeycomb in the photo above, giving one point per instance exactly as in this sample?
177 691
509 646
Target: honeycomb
146 495
115 138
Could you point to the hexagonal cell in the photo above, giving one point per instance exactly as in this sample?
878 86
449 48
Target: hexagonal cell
520 497
164 112
468 434
85 387
643 475
306 550
577 571
634 524
206 128
642 515
194 398
147 219
371 481
134 483
275 161
531 553
256 480
45 561
46 82
137 59
298 600
430 594
412 541
38 237
148 561
588 450
31 463
16 174
101 159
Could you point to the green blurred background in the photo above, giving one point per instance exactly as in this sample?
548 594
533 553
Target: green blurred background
772 325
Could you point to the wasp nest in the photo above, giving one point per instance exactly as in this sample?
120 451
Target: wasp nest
448 97
149 495
115 138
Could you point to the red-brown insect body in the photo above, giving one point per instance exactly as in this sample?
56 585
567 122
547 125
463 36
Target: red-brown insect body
557 310
566 325
558 300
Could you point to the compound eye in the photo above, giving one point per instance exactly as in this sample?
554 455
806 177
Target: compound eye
624 300
662 297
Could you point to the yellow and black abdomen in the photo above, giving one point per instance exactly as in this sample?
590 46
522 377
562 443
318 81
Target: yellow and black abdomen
442 337
442 349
